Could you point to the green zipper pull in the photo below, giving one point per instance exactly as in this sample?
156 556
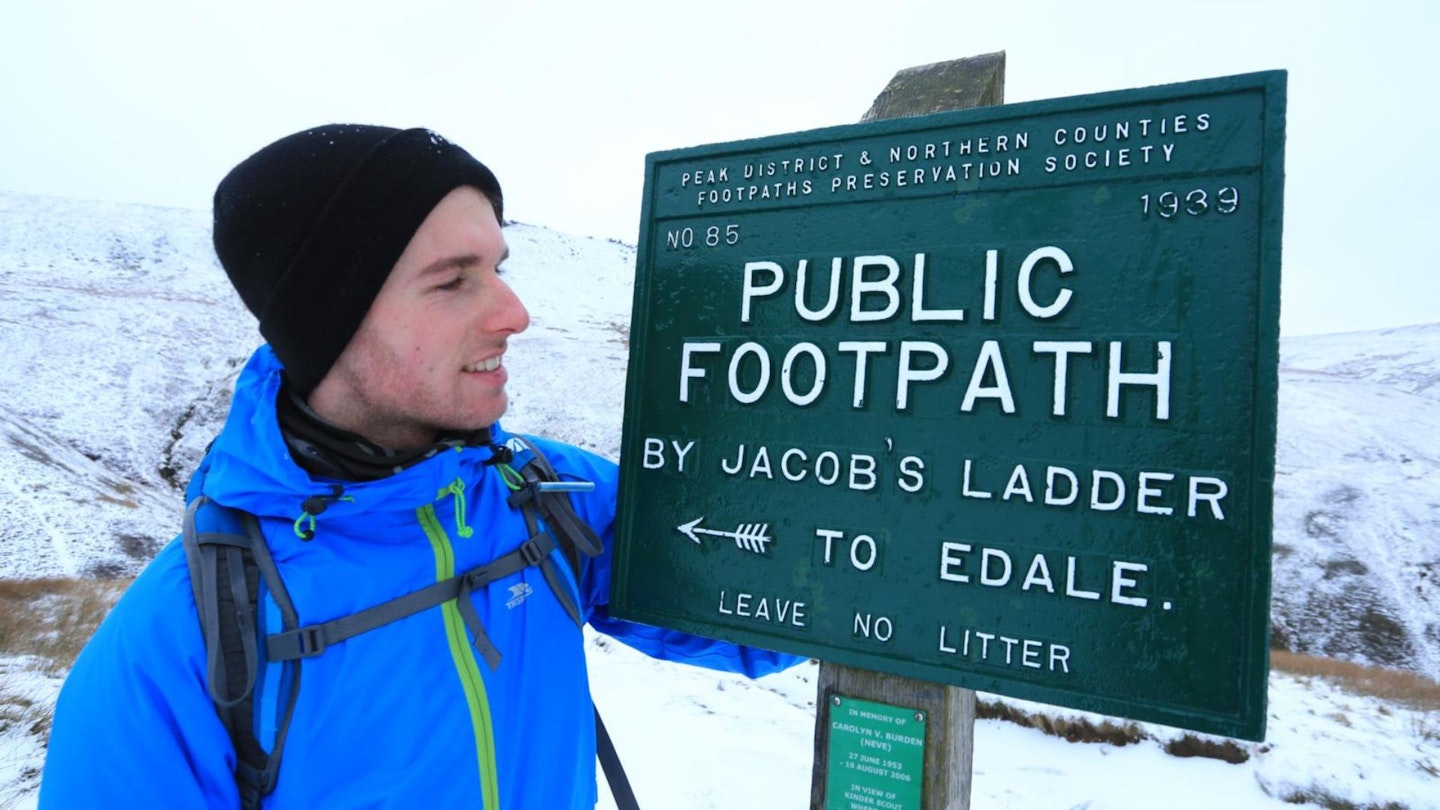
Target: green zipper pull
457 489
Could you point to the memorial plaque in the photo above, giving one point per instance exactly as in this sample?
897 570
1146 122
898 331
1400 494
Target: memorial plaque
876 756
984 397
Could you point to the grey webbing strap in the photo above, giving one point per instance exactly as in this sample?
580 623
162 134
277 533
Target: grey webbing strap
552 577
203 551
235 567
555 508
559 514
562 593
311 640
265 779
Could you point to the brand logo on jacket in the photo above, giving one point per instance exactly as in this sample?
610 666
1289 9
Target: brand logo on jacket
518 594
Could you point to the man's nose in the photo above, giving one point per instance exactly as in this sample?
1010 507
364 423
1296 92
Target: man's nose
511 316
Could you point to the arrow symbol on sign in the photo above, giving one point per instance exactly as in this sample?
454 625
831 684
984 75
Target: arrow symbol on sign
748 536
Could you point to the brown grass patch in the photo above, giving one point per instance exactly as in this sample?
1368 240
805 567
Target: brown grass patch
125 502
1404 687
1074 729
1188 745
53 618
1329 801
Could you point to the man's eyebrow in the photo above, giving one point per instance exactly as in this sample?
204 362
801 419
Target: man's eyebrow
460 262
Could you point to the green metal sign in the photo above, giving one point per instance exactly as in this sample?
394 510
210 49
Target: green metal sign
876 756
984 397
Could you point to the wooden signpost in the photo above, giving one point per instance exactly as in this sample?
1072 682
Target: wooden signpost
978 81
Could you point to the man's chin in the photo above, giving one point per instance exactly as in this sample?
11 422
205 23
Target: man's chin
480 419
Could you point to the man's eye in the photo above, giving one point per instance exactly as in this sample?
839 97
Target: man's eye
500 270
452 284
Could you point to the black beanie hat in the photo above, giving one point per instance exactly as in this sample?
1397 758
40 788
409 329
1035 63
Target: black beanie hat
309 227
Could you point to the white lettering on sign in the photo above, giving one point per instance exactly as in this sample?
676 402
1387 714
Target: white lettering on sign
883 288
1159 379
988 365
870 626
920 363
708 177
953 172
655 455
978 145
749 349
912 474
752 288
864 551
877 288
1125 157
938 363
878 292
1062 349
817 373
998 649
795 164
1127 145
862 289
952 559
766 179
996 568
858 471
802 308
1140 128
772 609
862 349
1098 146
1153 492
918 311
687 370
750 192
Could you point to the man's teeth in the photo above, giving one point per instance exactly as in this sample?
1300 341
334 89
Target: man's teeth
485 365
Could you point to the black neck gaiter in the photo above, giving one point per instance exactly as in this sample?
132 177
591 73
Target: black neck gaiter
325 449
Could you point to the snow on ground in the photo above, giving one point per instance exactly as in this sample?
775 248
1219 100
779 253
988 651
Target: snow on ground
26 694
76 376
692 739
696 739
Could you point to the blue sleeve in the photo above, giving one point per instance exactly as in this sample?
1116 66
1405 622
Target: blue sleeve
134 725
673 645
657 642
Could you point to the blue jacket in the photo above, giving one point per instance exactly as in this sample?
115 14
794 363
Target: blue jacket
403 716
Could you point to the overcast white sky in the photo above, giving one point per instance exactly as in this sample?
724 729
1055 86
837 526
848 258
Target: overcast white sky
154 100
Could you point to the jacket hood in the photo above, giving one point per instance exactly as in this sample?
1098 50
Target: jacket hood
251 467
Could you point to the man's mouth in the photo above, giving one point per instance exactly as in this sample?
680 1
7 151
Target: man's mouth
489 364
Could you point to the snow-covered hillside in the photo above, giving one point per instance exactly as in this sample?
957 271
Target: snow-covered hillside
121 336
116 325
1357 497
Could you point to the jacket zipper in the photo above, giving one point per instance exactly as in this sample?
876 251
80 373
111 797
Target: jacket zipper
465 663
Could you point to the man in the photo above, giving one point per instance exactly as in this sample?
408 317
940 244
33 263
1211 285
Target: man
365 438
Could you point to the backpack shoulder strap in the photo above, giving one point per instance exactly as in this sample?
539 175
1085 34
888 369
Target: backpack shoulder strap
228 560
546 493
